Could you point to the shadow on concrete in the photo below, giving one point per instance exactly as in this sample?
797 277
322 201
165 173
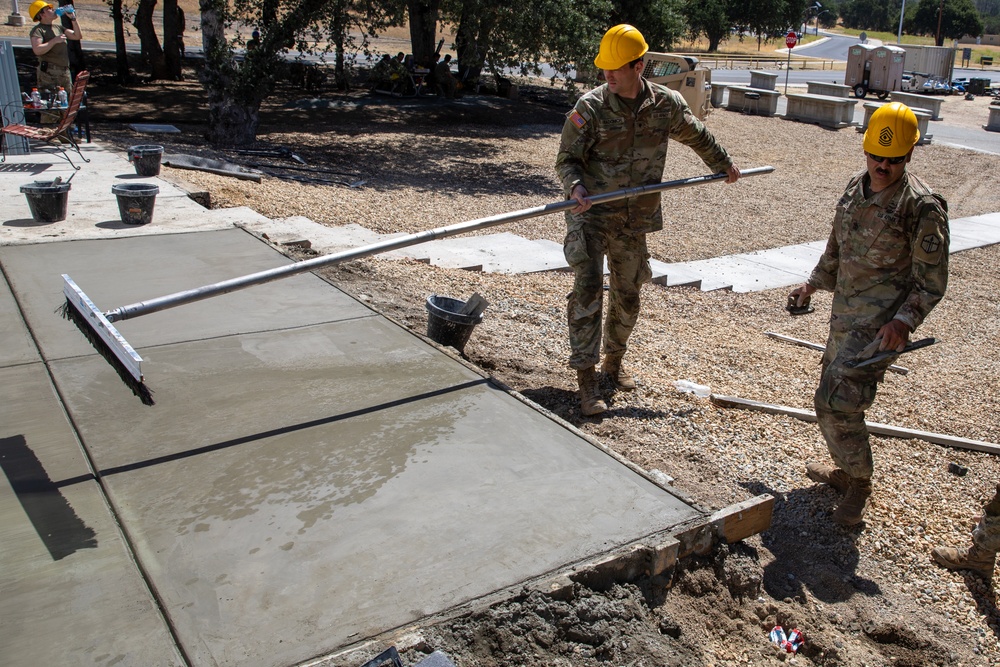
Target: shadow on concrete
58 527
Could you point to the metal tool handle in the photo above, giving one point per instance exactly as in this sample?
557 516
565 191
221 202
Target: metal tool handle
197 294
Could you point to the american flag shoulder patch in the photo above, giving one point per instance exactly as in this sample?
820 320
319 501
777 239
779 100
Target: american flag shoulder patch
577 120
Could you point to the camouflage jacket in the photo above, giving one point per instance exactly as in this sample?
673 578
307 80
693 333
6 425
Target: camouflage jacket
887 257
607 146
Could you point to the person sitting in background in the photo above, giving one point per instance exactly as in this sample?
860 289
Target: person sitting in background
445 80
254 42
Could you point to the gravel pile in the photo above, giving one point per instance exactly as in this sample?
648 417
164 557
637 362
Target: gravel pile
445 164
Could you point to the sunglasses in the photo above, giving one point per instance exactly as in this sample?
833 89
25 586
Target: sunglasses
891 160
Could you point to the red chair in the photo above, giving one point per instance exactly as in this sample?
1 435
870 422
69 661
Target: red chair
58 136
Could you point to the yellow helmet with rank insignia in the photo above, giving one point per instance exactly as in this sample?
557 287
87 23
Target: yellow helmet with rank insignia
892 131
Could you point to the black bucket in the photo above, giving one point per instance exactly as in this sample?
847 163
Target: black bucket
135 202
47 200
446 325
146 159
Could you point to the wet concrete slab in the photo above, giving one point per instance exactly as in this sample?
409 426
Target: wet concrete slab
71 591
312 474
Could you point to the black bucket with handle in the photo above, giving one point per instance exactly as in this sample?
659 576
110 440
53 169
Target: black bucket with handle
135 202
48 200
446 324
146 159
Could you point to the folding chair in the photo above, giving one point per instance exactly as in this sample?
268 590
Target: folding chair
58 136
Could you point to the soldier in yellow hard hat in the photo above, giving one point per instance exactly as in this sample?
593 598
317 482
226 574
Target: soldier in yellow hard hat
615 138
48 42
886 263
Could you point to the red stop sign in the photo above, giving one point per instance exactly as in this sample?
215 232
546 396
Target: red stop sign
791 39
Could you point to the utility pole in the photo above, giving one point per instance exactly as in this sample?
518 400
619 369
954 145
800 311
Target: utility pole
15 17
937 40
902 13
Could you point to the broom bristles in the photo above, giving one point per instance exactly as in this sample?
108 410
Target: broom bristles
82 323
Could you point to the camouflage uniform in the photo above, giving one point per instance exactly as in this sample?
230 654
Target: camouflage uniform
887 258
56 59
609 144
986 535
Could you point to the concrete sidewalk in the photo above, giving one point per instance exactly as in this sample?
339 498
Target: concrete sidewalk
312 475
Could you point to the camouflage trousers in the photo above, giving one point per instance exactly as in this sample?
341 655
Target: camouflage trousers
585 248
843 396
986 535
53 78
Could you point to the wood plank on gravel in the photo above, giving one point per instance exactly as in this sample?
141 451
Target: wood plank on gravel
873 427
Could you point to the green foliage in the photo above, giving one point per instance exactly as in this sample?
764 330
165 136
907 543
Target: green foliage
708 17
662 23
236 83
767 19
958 18
520 34
828 19
871 15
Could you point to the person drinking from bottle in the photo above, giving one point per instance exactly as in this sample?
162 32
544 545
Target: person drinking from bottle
48 42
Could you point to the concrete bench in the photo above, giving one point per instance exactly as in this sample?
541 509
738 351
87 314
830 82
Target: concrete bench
756 101
718 90
915 101
835 112
829 89
923 120
763 80
993 125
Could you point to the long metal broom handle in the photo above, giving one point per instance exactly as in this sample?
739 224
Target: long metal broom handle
233 284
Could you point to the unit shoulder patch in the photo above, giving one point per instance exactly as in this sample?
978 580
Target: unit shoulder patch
929 249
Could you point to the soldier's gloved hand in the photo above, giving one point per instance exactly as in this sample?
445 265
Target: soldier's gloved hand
894 335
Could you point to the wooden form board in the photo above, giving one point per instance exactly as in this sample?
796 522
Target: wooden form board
873 427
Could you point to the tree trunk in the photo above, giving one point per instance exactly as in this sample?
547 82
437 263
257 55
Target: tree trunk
173 29
150 47
121 55
423 29
77 63
232 123
234 109
472 32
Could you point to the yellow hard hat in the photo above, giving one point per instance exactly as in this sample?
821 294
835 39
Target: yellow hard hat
892 131
36 8
620 46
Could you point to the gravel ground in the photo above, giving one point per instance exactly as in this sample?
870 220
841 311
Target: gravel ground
864 596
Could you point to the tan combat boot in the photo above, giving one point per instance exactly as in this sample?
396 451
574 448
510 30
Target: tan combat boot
852 508
591 402
977 560
824 474
613 367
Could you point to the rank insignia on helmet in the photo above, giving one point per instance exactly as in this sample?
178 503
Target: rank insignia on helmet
885 137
